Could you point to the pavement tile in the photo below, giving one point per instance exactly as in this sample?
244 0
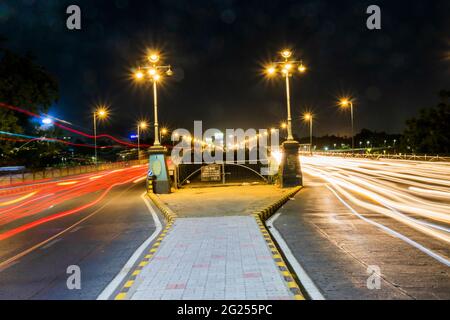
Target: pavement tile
211 258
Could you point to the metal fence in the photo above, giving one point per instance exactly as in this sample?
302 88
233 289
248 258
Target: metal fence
231 172
26 176
413 157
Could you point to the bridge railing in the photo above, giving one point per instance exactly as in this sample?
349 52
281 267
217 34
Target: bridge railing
435 158
230 172
30 176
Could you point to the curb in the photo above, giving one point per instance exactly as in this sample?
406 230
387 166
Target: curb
261 216
170 218
169 215
267 212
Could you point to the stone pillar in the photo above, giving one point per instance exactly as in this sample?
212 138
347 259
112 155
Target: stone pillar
290 170
158 169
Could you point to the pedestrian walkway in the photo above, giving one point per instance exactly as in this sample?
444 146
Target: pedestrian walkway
213 258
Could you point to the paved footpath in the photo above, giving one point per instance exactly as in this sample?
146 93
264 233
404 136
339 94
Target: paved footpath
211 258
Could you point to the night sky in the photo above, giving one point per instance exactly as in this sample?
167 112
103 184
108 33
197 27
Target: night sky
217 49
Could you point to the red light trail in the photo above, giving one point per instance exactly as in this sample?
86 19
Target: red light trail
25 205
29 113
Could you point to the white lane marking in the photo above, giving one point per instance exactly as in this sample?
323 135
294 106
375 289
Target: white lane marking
76 229
48 245
114 284
304 278
9 265
394 233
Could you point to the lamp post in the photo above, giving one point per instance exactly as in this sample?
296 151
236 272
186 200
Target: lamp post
286 67
344 103
155 73
141 125
309 117
290 171
158 173
101 113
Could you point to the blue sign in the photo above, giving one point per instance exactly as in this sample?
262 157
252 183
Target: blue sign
133 136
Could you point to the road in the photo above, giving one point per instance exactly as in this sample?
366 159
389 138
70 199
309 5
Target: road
94 221
356 213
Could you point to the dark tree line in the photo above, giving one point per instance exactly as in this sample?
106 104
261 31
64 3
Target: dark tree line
429 132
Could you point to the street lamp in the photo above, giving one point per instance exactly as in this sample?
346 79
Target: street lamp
163 132
344 103
287 69
100 113
289 172
309 117
142 125
154 73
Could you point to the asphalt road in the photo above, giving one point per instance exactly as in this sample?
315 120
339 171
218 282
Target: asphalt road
354 215
92 221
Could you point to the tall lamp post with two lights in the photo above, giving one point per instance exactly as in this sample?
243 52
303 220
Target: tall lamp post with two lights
158 170
290 171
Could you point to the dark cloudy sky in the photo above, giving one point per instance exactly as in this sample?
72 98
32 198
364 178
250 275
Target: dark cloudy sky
217 47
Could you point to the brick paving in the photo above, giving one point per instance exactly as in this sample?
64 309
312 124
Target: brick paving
217 258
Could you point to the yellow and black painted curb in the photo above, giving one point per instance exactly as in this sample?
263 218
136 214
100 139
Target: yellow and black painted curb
170 218
169 215
260 217
268 211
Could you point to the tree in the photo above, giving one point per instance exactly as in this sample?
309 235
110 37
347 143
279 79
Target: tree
24 84
429 133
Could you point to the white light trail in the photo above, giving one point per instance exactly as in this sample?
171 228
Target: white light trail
413 193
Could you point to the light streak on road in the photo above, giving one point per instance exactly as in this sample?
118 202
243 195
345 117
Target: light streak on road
21 198
413 193
68 183
139 179
95 177
81 194
440 194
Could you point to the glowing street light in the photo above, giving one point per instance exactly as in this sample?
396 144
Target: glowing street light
287 68
153 57
100 113
309 117
154 75
344 103
286 53
142 125
271 70
47 121
139 75
301 68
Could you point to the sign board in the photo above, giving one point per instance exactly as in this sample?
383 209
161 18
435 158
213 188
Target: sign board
211 172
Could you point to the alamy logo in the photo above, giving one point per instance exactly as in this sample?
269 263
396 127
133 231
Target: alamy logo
73 22
232 146
74 280
374 21
374 280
